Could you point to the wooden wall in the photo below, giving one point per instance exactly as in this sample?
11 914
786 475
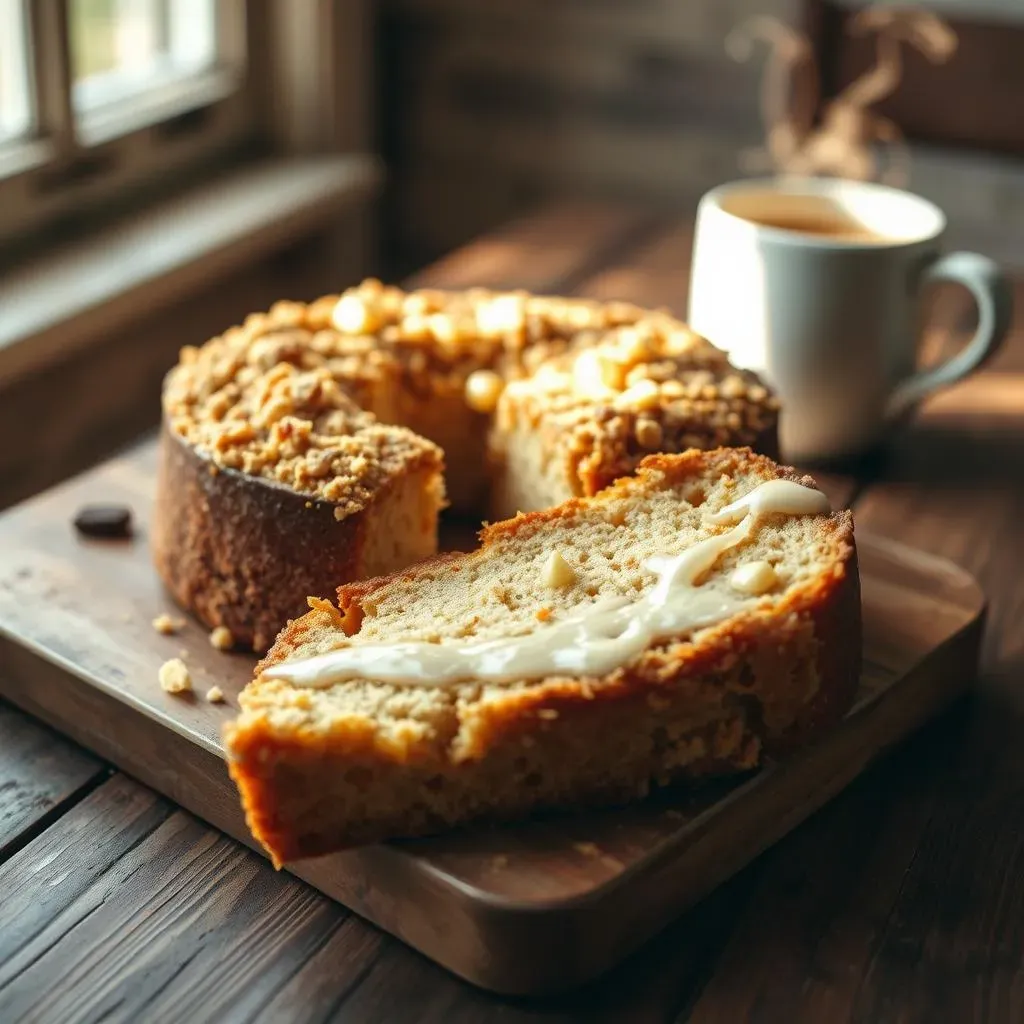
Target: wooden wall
488 108
973 102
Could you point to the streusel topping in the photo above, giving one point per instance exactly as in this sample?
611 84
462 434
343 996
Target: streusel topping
298 395
646 387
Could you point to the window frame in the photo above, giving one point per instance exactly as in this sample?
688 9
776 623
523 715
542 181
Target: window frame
302 169
66 168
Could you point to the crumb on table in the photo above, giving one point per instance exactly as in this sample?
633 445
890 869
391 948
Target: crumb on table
168 624
222 639
215 695
587 849
174 677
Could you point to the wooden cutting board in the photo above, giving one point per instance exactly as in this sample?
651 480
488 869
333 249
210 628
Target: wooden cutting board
532 908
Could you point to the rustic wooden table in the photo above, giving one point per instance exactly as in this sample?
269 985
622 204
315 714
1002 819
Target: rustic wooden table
902 900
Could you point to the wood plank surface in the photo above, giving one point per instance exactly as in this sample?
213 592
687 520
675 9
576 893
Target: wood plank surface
159 923
40 774
898 901
952 945
548 252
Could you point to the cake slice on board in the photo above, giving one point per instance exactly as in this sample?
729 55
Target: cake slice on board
688 621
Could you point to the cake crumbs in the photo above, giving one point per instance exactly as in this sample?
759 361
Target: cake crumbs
587 849
168 625
222 638
215 695
174 677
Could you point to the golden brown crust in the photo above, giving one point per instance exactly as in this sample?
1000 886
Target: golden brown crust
835 618
243 552
748 689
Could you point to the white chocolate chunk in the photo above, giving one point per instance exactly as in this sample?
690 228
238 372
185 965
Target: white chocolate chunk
644 394
501 315
596 375
483 389
754 577
558 572
352 315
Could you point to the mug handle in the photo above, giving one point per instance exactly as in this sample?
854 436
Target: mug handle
994 296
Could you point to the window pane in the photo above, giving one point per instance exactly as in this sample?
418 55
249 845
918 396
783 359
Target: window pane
15 97
121 48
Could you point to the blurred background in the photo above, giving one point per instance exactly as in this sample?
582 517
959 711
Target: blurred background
167 166
488 108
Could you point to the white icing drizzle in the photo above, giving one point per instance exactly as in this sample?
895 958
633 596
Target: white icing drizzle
598 639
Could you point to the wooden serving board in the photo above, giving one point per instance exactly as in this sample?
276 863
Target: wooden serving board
532 908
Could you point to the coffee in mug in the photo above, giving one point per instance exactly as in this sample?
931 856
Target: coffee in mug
806 215
815 285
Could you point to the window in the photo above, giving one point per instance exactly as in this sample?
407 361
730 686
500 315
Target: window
126 54
100 97
15 108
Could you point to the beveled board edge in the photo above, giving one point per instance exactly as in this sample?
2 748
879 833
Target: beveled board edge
516 947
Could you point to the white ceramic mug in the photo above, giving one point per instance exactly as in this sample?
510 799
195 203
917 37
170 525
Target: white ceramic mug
815 285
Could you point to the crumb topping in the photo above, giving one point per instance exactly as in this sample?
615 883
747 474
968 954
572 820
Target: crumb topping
168 625
174 677
221 638
303 395
603 411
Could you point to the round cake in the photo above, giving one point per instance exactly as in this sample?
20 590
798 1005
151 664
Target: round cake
317 443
